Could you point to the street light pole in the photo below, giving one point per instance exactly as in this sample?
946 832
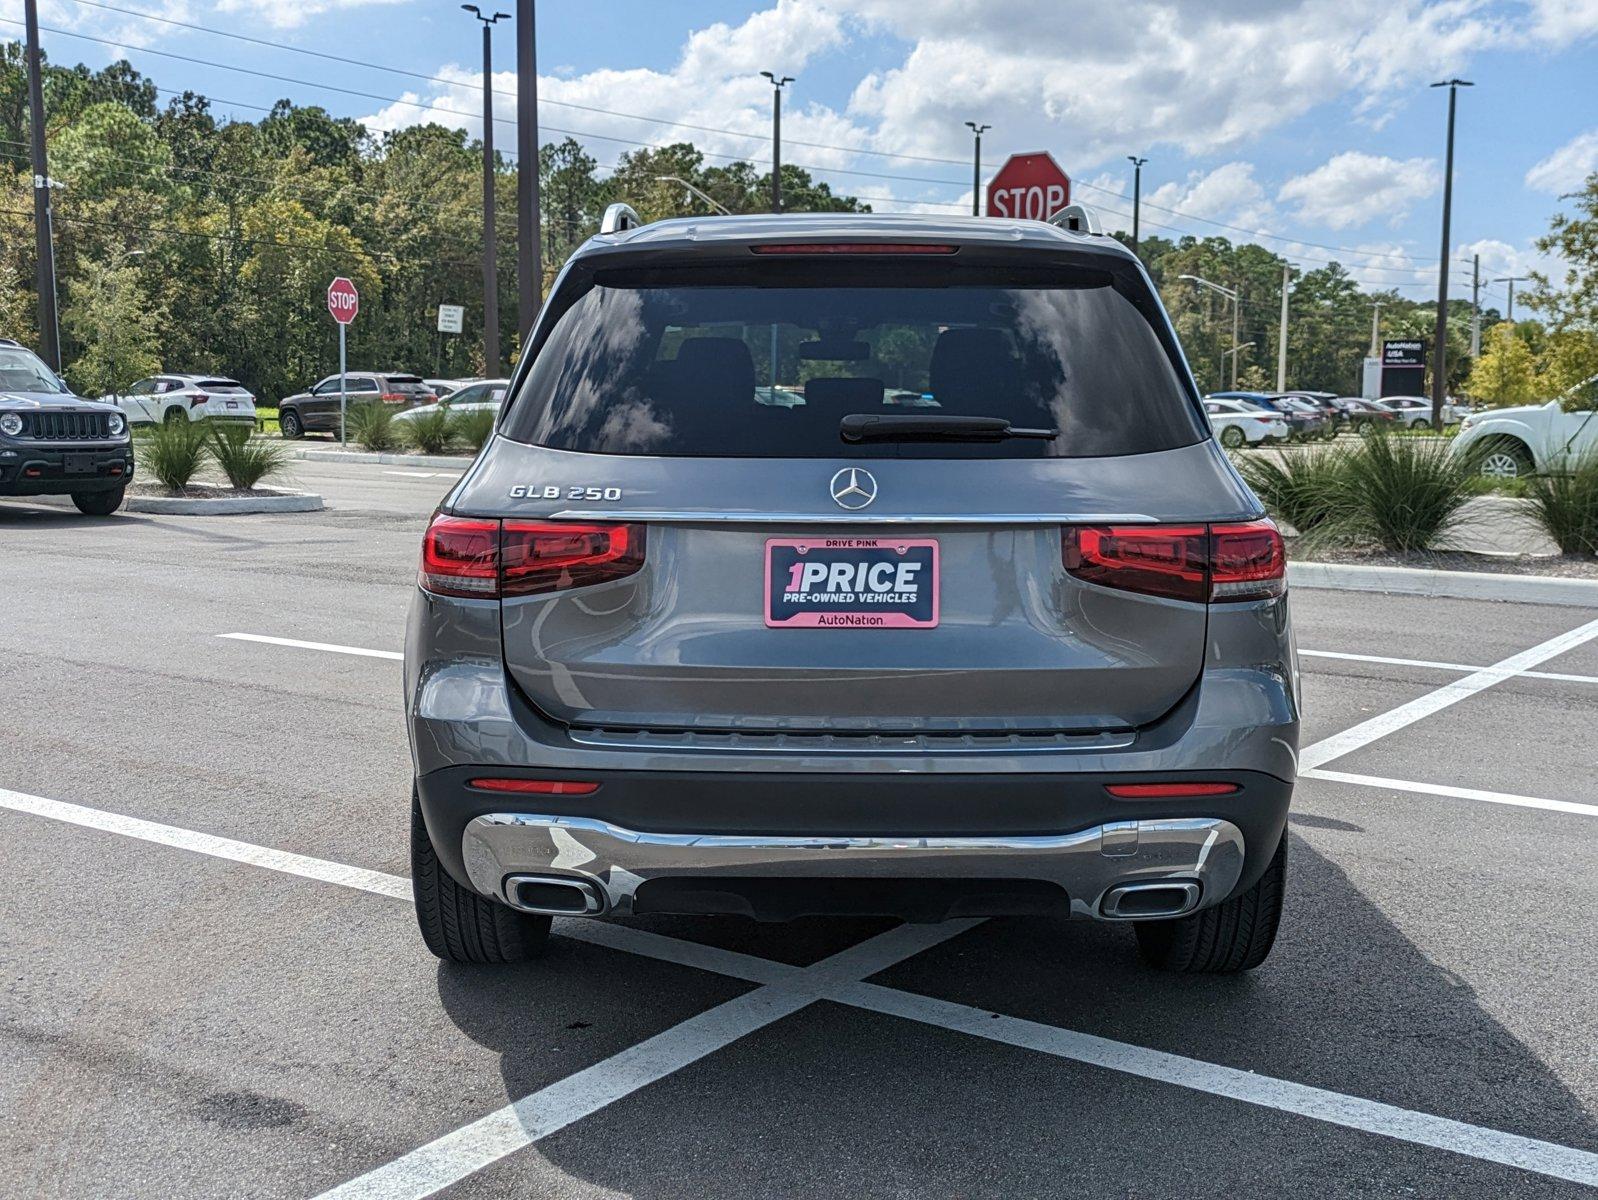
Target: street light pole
1137 195
1512 280
43 233
976 166
529 238
1475 306
777 83
490 248
1440 338
1235 296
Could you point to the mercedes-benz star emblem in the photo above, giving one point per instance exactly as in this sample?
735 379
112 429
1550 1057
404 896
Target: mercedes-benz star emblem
854 488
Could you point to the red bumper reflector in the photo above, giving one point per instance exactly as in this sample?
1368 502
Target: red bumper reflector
537 787
1169 791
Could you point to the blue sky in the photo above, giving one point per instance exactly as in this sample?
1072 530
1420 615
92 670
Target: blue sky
1309 124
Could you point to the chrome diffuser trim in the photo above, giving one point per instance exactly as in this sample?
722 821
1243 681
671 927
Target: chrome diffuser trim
1206 851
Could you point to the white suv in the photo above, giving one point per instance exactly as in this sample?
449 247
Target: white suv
196 397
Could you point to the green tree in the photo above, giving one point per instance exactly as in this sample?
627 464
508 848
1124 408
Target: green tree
1506 372
1572 237
111 316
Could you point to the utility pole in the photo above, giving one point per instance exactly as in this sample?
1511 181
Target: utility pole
976 166
777 84
1137 196
1440 339
1475 306
1376 329
43 232
490 248
529 238
1512 280
1281 338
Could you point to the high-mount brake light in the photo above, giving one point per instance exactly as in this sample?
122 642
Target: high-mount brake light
1170 791
1214 563
854 248
487 559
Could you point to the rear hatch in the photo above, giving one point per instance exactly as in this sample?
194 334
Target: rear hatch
705 529
407 390
226 398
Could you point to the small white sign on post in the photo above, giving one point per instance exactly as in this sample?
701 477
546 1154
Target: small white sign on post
450 318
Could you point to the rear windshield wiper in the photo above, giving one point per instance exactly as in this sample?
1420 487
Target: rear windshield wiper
931 427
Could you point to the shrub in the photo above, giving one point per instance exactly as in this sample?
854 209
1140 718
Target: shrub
243 459
429 432
475 426
1566 505
173 451
372 426
1307 489
1403 493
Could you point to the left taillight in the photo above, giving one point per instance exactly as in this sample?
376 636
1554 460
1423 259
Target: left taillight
1214 563
486 559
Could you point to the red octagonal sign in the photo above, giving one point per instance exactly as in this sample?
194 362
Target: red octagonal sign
1030 186
343 301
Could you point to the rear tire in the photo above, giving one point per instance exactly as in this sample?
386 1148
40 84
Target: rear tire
1235 935
1233 438
99 504
457 924
173 415
288 424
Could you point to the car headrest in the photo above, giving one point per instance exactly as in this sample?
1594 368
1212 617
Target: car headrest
974 370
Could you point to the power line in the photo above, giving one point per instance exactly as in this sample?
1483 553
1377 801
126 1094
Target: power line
1253 233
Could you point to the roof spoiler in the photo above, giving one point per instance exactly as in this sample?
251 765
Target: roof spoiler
619 217
1078 218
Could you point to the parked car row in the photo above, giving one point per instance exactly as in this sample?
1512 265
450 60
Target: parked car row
1245 418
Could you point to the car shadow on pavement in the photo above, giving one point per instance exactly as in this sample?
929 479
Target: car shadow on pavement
1346 1003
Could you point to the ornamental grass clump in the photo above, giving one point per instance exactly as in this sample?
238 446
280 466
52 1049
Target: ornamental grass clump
430 432
173 451
1566 505
244 459
1404 494
372 426
475 426
1307 489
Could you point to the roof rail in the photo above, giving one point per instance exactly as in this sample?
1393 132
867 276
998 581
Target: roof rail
619 217
1078 218
5 341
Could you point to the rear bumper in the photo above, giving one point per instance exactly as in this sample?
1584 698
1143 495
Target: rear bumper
917 846
42 470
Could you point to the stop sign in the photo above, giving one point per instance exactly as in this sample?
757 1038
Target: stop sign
1030 186
343 301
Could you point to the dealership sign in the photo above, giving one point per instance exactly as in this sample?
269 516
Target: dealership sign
1031 186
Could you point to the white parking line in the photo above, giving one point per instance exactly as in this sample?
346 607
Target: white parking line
1366 732
328 647
456 1155
418 474
1458 793
785 990
1462 668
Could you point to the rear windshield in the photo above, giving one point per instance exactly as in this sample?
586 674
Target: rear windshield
220 385
769 371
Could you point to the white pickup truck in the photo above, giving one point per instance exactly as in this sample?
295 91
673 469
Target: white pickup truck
1508 442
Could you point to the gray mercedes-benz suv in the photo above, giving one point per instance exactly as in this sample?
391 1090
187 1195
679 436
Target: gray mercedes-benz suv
718 623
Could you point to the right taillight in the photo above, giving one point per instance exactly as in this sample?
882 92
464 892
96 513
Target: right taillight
1215 563
486 559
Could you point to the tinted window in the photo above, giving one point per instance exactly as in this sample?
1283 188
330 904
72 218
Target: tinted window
758 371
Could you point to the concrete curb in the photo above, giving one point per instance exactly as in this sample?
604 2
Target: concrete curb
1457 585
380 460
271 500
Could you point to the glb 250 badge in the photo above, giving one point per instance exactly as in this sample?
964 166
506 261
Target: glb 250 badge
550 491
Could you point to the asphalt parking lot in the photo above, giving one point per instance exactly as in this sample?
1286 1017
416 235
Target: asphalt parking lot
214 985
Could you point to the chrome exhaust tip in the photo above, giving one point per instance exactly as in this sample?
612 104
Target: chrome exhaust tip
555 895
1156 900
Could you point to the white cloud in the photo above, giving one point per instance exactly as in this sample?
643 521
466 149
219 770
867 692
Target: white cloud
1354 188
1566 168
1229 193
290 14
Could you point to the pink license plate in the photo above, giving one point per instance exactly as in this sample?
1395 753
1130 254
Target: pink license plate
852 583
